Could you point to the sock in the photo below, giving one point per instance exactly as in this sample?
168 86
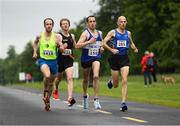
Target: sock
95 99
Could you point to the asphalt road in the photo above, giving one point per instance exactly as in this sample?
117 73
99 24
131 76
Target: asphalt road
25 107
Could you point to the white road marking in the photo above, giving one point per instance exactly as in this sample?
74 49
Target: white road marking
105 112
65 102
79 106
134 119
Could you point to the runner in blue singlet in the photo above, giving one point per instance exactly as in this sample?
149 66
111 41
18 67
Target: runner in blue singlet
90 42
119 61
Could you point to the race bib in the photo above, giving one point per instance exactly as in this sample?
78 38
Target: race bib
121 43
93 52
67 52
48 52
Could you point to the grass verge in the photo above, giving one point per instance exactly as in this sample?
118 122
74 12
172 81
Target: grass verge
158 93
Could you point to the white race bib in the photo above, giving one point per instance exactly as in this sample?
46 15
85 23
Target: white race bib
48 52
121 43
67 52
93 52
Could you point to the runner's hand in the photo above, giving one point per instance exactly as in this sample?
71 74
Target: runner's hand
101 50
35 56
136 50
115 51
65 45
92 40
61 48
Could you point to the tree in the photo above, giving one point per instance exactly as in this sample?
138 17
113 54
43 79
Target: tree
27 64
2 80
10 67
11 53
168 45
154 26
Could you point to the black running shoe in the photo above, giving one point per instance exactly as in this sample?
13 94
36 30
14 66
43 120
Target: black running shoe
71 102
109 84
123 107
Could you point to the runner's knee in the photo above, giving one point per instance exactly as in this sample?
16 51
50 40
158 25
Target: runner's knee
96 77
69 79
51 84
85 80
57 80
115 84
124 82
47 78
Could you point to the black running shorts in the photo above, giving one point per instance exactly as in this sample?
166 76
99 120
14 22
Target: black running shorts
89 63
64 64
116 62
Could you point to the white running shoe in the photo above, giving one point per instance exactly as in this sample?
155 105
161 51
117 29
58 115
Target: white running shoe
97 104
85 103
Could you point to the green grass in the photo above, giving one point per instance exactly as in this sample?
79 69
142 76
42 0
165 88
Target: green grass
158 93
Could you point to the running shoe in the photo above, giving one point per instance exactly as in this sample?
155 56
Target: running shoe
85 102
71 102
123 107
46 101
97 104
56 95
109 83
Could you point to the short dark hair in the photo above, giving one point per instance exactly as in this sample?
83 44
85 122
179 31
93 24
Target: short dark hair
64 19
87 19
49 19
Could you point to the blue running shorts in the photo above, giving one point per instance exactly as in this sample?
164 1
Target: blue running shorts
53 66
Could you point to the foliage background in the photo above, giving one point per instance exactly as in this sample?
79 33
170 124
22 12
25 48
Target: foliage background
155 26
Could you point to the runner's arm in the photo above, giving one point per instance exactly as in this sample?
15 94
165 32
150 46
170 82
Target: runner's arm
35 46
108 37
82 40
59 42
133 46
101 46
74 40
